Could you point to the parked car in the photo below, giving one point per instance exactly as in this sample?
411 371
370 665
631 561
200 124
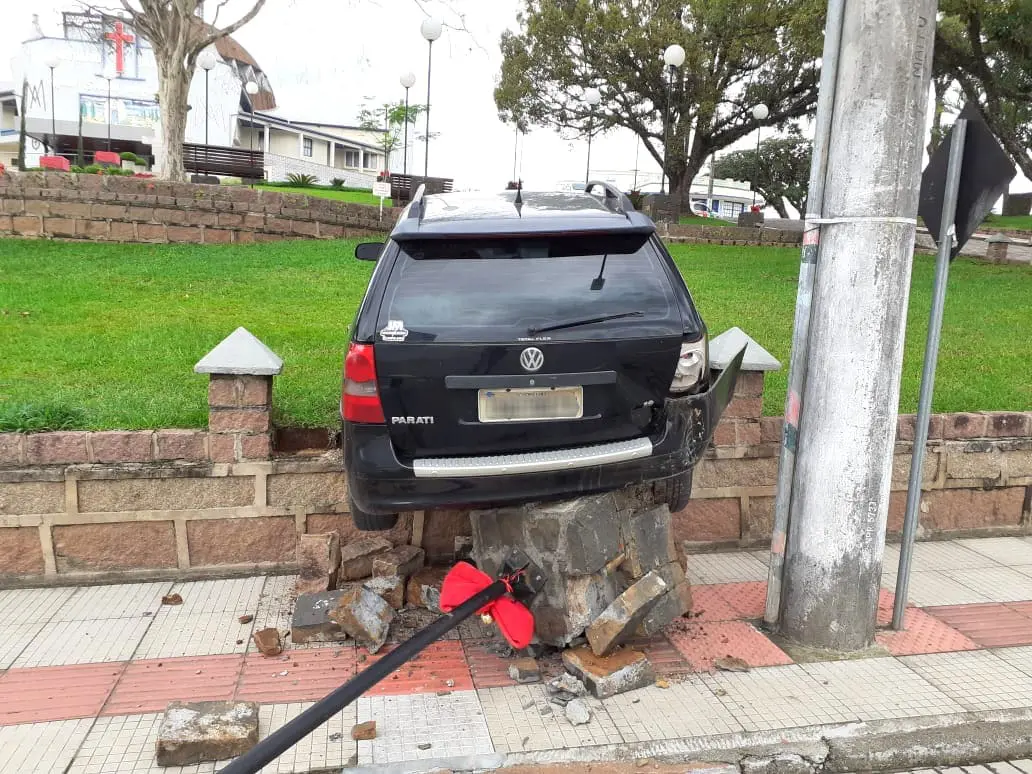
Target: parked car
521 346
702 210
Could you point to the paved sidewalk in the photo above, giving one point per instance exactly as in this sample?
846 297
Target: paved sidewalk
88 671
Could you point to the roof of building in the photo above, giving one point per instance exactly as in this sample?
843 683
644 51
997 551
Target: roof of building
510 213
341 126
229 48
287 123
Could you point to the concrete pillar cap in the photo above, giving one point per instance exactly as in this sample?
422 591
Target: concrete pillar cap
723 348
241 352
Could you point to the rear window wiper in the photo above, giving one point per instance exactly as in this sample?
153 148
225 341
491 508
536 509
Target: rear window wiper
586 321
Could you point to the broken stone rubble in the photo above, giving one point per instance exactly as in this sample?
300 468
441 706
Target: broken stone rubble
356 557
621 619
197 732
318 560
605 676
364 616
401 561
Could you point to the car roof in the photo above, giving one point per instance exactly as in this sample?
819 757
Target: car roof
518 213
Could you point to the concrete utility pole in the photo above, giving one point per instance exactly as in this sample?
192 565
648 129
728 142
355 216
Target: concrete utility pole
840 493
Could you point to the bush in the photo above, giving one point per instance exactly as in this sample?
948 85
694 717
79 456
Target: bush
130 156
77 169
118 172
92 169
337 183
301 180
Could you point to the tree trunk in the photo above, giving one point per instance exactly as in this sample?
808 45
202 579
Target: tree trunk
174 78
22 137
778 203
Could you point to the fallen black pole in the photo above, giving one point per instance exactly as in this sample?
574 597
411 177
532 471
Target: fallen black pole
278 742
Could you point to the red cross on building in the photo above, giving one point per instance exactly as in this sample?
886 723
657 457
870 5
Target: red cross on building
119 37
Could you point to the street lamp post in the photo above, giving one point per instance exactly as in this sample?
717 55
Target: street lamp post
206 61
52 63
408 80
431 30
760 113
673 57
251 88
592 97
109 76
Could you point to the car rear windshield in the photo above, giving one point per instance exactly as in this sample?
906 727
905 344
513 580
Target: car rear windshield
474 290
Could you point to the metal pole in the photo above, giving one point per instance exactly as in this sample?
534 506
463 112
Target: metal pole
206 170
53 116
637 147
426 144
591 121
756 168
924 406
843 473
709 191
804 294
666 129
515 151
404 154
109 115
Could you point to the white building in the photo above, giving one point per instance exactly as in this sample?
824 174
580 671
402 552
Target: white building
103 88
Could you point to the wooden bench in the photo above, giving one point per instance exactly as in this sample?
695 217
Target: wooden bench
403 186
222 160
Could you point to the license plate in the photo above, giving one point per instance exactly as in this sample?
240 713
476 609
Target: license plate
520 405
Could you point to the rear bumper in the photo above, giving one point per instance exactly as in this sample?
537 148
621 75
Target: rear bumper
380 483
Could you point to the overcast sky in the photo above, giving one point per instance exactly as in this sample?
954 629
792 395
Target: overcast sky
325 57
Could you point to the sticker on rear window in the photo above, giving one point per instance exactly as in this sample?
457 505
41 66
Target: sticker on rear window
395 331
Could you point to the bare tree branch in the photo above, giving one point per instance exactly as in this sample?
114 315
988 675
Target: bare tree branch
207 40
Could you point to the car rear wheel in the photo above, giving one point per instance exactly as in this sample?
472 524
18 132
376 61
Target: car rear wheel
372 522
675 492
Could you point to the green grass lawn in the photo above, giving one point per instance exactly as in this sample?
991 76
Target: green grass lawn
358 197
1010 221
695 220
112 332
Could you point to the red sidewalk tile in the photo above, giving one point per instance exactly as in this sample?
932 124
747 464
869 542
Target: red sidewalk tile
709 604
297 675
56 693
991 625
149 685
749 600
487 668
701 643
921 634
664 657
431 671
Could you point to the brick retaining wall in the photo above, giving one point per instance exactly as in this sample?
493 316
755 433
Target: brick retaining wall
729 235
126 209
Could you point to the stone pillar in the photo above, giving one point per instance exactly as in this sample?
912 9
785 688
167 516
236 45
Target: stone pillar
740 424
240 397
996 249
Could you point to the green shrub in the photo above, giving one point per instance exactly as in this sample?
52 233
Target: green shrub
337 183
77 169
118 171
36 418
92 169
301 180
130 156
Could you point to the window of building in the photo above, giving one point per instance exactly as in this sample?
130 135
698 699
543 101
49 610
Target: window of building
308 146
371 161
351 158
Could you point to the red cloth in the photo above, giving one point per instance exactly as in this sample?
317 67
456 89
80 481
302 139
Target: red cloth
514 620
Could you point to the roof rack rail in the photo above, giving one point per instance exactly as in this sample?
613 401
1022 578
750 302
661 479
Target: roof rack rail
622 201
416 207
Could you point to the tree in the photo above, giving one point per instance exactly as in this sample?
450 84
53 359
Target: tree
390 118
739 53
780 171
177 36
986 47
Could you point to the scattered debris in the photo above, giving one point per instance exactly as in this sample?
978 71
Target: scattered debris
390 588
720 692
731 664
566 683
336 736
284 673
365 616
620 620
356 557
312 622
239 642
363 732
268 641
674 604
197 732
318 560
562 699
246 619
577 712
662 683
607 676
525 670
424 588
545 711
424 745
402 560
172 599
463 548
450 683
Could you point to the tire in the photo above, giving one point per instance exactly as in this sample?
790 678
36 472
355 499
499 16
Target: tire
372 522
675 491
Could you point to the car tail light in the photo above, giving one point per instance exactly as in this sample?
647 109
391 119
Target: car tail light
691 366
360 401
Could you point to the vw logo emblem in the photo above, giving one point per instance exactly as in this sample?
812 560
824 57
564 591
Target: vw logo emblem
532 359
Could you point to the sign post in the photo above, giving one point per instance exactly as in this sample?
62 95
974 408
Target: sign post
382 190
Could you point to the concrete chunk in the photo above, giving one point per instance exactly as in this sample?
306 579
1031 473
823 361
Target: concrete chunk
318 559
577 712
365 616
268 641
525 670
356 557
312 622
196 732
390 588
618 622
402 561
605 676
424 588
676 602
648 541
